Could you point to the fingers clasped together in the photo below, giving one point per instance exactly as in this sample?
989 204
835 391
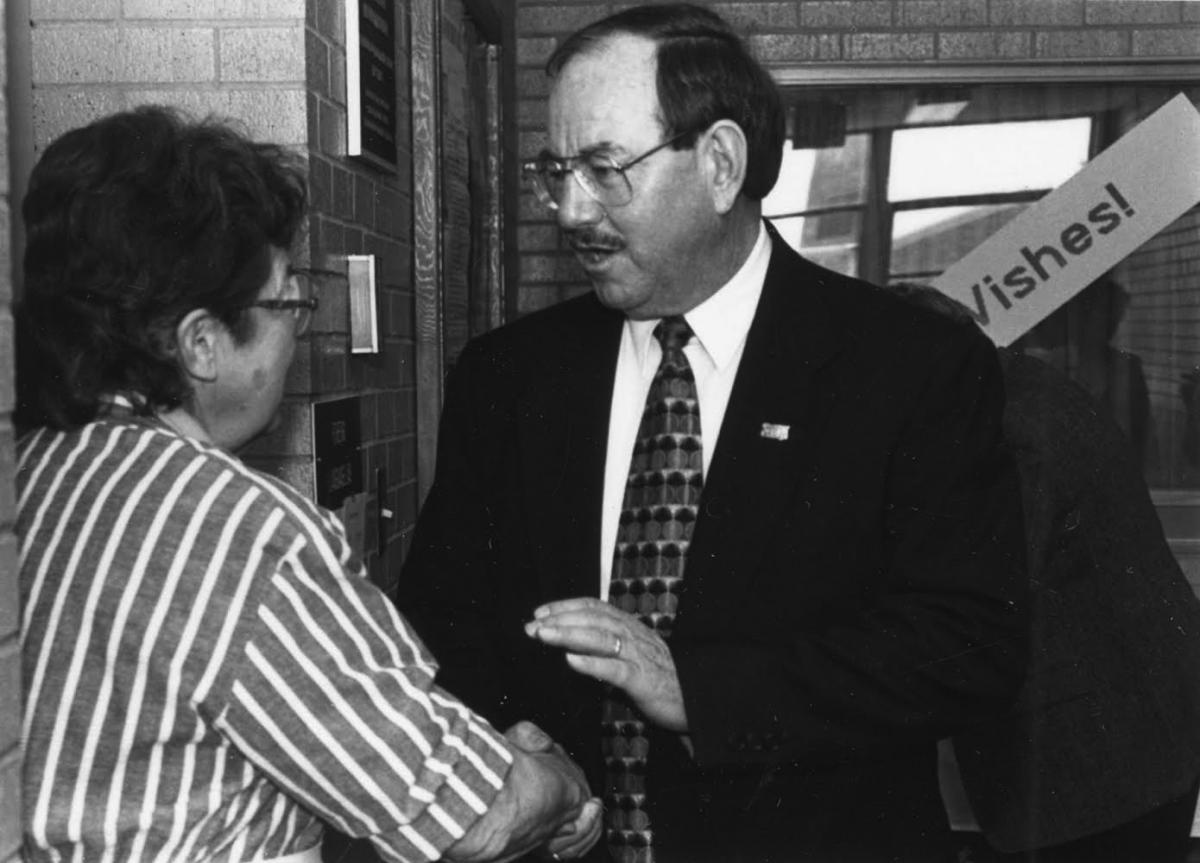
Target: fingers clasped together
575 836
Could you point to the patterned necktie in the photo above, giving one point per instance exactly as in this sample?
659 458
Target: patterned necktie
657 516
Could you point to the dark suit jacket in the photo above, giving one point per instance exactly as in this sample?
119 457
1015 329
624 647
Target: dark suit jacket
852 593
1108 723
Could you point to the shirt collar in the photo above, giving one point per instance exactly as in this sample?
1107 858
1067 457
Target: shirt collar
721 322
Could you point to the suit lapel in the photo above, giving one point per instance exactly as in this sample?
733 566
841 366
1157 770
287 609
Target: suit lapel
563 436
755 472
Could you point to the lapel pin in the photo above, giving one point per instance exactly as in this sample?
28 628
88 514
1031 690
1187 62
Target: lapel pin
774 431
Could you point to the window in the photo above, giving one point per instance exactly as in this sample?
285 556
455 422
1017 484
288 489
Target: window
817 202
896 183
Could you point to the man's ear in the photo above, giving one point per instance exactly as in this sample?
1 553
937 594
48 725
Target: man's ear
196 344
725 156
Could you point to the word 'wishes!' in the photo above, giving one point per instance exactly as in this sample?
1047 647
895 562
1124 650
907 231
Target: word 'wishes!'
1076 239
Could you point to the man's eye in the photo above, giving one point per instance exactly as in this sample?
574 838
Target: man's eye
604 171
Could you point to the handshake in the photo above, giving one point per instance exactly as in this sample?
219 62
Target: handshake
544 806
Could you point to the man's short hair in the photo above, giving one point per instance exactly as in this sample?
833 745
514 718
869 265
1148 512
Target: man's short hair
133 222
705 74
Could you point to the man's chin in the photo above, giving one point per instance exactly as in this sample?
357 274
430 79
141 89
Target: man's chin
617 295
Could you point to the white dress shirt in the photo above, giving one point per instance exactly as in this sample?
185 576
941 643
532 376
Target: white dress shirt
720 324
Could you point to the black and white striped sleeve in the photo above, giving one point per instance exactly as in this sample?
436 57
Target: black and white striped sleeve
334 698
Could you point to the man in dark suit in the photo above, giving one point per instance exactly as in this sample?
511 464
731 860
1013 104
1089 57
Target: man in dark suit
847 514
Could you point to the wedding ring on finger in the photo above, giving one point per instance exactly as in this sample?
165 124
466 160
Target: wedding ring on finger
617 647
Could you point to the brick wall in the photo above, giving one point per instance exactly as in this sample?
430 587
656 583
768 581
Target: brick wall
278 67
847 32
10 662
359 209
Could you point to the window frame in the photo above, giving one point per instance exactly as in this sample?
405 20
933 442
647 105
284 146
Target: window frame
811 78
1179 509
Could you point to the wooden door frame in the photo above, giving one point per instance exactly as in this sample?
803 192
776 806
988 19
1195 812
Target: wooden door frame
495 21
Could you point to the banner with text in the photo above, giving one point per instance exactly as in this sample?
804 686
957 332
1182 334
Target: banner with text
1073 235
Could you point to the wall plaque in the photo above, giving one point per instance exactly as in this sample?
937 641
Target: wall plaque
337 447
371 81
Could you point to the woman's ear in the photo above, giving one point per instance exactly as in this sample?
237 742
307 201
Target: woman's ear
725 156
196 344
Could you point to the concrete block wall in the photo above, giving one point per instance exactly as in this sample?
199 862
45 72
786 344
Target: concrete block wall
789 32
236 58
10 654
279 68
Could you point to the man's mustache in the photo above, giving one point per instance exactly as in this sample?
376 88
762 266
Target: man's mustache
593 240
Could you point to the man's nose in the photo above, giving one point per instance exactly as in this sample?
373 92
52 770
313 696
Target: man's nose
576 207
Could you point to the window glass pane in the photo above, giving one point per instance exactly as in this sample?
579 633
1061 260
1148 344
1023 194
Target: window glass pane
790 194
927 241
815 179
830 240
1133 341
940 161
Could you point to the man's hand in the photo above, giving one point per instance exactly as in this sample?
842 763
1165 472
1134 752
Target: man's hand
544 802
576 838
611 645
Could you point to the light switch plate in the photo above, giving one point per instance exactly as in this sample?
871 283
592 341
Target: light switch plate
364 322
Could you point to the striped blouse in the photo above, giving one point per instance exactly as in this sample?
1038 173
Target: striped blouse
209 674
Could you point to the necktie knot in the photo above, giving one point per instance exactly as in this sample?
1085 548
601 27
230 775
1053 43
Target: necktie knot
673 333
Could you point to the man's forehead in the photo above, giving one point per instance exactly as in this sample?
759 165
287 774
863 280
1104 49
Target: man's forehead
604 96
622 66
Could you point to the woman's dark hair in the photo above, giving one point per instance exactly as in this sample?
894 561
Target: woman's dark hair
133 222
931 298
705 74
